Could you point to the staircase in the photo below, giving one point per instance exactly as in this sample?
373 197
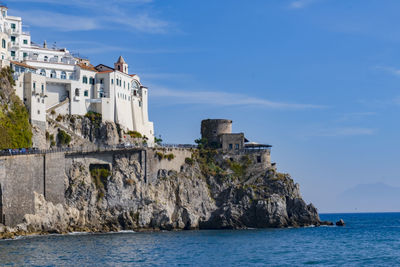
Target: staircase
83 141
58 105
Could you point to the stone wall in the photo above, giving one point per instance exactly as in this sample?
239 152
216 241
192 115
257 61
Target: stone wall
23 175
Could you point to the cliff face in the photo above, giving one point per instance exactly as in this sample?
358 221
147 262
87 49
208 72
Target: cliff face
210 192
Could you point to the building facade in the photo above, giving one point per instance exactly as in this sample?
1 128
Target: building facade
52 77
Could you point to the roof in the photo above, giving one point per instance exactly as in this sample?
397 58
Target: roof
23 65
132 75
121 60
256 145
87 67
105 66
106 71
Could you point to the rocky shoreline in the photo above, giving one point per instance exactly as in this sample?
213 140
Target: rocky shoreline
209 192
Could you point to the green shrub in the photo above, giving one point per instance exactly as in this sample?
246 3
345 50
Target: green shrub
99 177
95 118
63 138
47 135
53 112
72 119
51 137
16 132
135 134
59 118
158 140
170 156
160 155
52 143
189 161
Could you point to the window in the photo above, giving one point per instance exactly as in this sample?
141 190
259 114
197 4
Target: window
91 80
12 38
140 103
4 14
3 43
101 81
84 79
129 98
38 100
112 81
38 112
46 58
25 41
237 146
124 84
43 72
119 67
42 88
25 54
86 93
134 92
76 92
63 75
258 159
34 85
13 26
128 86
230 146
13 53
53 74
43 100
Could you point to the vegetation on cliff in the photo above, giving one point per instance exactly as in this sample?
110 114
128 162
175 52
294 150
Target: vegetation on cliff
15 129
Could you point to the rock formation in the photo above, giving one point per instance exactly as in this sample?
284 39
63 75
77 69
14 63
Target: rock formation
210 192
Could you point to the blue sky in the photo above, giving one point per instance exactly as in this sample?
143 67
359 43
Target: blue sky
317 79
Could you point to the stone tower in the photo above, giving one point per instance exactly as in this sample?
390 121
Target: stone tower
121 65
211 129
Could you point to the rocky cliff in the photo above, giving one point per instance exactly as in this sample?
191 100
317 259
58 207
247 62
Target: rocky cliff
211 191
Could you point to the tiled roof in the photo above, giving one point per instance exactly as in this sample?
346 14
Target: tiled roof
87 67
23 65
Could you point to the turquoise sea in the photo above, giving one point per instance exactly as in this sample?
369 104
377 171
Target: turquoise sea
371 239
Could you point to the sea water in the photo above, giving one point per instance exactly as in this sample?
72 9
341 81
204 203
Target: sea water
366 240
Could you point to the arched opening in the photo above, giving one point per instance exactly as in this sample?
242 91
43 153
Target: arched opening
53 74
63 75
46 58
2 220
43 72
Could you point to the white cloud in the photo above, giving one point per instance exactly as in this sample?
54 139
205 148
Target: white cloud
132 15
222 99
344 131
390 70
57 21
300 3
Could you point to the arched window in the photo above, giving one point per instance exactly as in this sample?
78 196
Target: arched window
84 79
91 80
46 58
43 72
53 74
135 85
63 75
119 67
3 43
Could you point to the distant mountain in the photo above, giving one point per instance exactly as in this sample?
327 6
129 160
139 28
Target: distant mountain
378 197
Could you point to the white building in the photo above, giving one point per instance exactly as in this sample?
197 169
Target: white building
50 77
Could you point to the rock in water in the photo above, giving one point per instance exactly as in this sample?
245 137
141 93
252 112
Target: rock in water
340 223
